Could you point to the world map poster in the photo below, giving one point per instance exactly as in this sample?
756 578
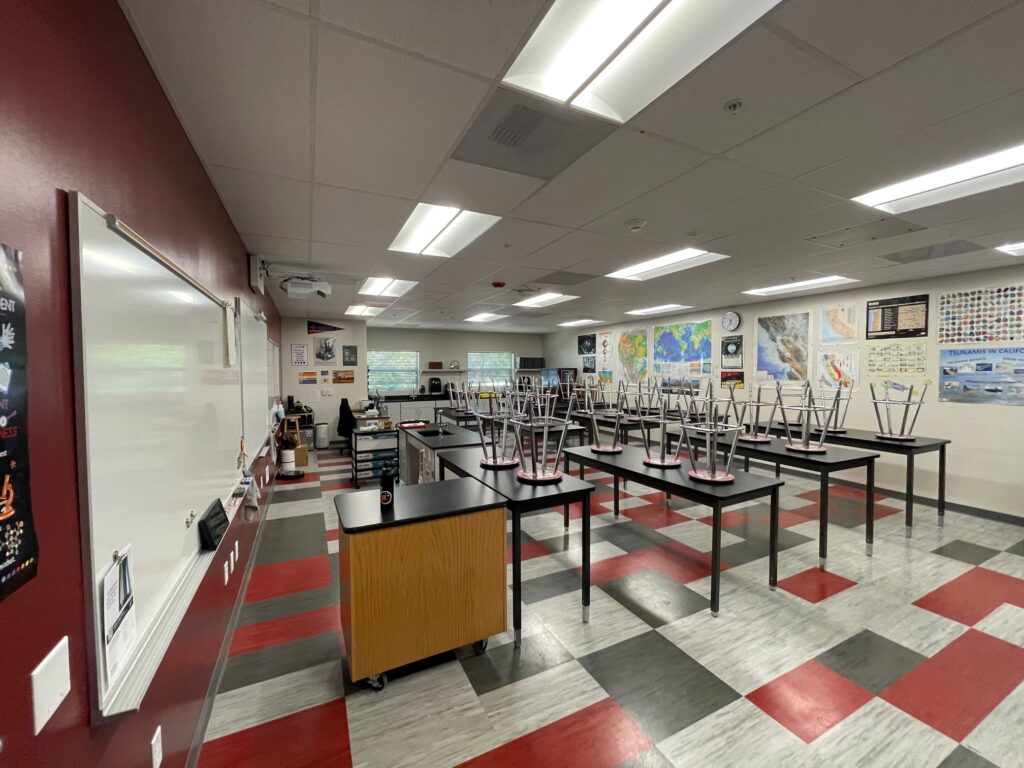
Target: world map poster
782 346
633 355
682 342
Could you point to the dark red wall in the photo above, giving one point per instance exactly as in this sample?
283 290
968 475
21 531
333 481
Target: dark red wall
80 109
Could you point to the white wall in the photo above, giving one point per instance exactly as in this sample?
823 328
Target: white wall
445 346
324 399
986 459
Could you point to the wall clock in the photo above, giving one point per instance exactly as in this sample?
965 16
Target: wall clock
731 321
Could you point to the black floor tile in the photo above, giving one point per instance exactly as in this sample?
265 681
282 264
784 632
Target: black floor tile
287 605
872 661
507 664
962 757
291 538
1017 549
655 598
285 494
966 552
629 537
756 546
551 585
662 688
276 660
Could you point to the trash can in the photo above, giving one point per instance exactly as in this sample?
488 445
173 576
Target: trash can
320 439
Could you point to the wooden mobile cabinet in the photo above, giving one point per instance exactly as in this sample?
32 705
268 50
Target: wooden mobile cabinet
427 579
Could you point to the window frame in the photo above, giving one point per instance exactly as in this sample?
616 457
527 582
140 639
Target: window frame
507 374
411 373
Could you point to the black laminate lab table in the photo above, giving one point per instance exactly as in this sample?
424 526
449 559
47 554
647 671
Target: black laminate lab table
823 464
868 440
627 424
519 498
454 415
629 465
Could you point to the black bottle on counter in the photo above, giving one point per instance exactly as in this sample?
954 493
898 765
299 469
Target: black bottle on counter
387 492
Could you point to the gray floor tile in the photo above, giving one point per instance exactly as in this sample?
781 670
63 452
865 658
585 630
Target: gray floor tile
507 664
287 605
966 552
872 661
652 758
658 685
962 757
550 585
277 660
655 598
1017 549
630 536
299 494
292 538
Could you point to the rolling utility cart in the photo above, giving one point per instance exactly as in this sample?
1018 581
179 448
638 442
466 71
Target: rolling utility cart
372 451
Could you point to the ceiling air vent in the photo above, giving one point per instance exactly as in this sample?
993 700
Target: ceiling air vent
929 252
518 124
879 229
565 278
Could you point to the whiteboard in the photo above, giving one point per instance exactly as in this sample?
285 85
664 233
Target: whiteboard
159 416
255 392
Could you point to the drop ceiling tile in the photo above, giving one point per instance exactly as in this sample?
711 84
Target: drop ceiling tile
479 188
350 259
357 218
624 165
273 249
774 79
461 272
510 240
870 35
386 121
595 250
756 247
988 128
407 266
299 6
473 35
670 209
222 64
1009 198
992 231
263 205
977 66
515 276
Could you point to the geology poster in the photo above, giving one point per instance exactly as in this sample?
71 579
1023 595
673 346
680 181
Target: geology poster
838 324
782 347
633 354
982 376
838 368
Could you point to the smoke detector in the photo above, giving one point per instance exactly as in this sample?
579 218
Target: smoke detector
635 225
734 106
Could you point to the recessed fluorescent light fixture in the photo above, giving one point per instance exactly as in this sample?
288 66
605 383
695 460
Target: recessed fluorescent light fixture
664 265
484 317
439 230
386 286
661 308
362 310
1014 249
972 177
573 323
578 38
545 300
802 285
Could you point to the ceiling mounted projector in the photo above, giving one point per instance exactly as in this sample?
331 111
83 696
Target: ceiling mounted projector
305 287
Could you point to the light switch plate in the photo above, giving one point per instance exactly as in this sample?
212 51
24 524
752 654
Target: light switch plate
156 747
51 682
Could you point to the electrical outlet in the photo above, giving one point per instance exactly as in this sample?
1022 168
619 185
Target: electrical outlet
156 747
227 573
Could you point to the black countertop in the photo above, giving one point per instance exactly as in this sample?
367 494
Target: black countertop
866 438
455 437
410 399
466 462
630 464
360 511
775 451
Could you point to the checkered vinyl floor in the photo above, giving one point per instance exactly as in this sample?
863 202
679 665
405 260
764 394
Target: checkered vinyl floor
913 657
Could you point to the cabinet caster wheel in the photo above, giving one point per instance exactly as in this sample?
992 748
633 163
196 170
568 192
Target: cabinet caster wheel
377 682
480 647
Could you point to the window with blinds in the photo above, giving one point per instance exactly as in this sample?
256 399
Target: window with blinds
392 371
486 368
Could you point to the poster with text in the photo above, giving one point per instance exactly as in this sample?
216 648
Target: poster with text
900 318
586 344
300 354
838 324
899 358
349 354
783 346
19 548
839 368
982 376
682 342
732 353
604 350
633 355
982 315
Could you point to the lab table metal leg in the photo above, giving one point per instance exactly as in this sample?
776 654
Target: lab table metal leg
586 558
616 484
942 486
716 557
910 495
773 542
517 578
869 533
565 507
823 522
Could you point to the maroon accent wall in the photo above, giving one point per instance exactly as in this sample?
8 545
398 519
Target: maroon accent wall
81 109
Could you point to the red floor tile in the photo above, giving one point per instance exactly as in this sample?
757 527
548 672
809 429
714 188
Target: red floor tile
309 477
840 492
332 534
313 738
657 514
530 550
731 519
810 699
815 585
675 560
956 688
790 517
973 596
336 485
599 736
252 637
290 576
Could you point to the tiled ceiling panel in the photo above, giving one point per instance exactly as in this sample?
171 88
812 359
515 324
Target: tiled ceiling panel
479 188
263 205
357 218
